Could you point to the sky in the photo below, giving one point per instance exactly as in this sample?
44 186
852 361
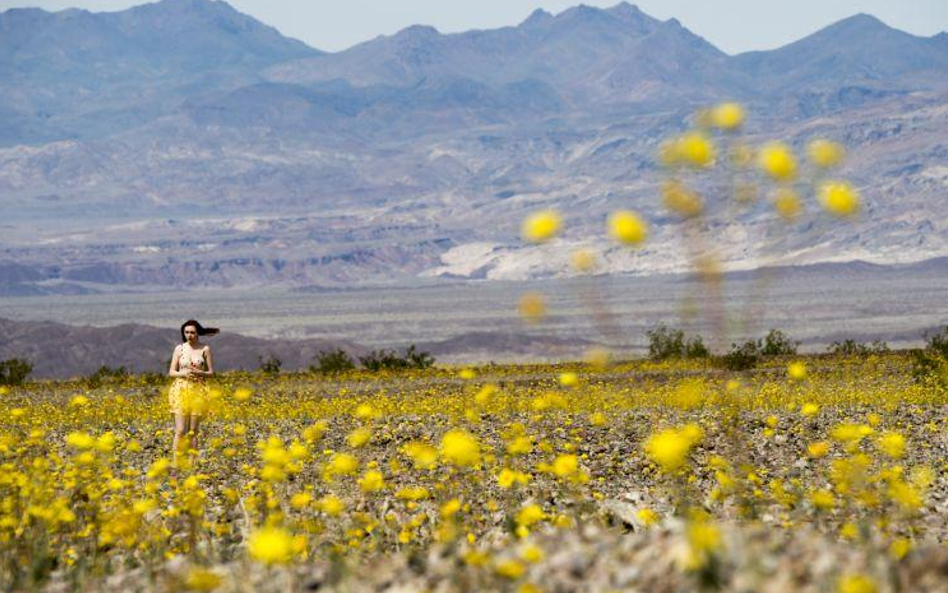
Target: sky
732 25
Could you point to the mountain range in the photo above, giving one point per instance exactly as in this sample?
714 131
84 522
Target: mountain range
184 144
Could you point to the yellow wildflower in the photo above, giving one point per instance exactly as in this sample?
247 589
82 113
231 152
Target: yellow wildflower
797 370
777 160
856 583
892 444
583 260
541 226
787 203
839 198
669 448
681 200
627 227
727 116
372 481
270 545
460 448
825 153
532 307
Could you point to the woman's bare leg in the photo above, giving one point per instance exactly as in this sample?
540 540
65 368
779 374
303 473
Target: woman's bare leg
180 433
193 426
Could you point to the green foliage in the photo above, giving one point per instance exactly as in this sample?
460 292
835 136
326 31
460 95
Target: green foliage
665 343
930 365
106 374
777 343
332 361
14 371
270 365
850 347
389 360
742 357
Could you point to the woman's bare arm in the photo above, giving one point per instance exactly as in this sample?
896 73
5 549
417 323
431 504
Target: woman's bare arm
210 361
173 369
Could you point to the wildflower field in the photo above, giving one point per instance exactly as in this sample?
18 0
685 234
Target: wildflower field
772 472
821 473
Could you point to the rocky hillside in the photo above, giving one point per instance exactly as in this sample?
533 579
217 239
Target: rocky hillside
235 156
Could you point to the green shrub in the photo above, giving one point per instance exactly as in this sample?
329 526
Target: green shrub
777 343
665 343
106 374
418 360
930 365
270 365
332 361
14 371
742 357
389 360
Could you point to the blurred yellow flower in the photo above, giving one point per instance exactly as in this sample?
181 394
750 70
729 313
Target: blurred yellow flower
569 379
627 227
459 447
532 307
787 203
372 481
696 149
856 583
343 464
510 569
777 160
892 444
359 437
541 226
80 440
825 153
669 448
565 466
809 409
529 515
839 198
681 200
331 505
727 116
797 370
818 449
823 500
423 455
270 545
647 516
202 579
583 260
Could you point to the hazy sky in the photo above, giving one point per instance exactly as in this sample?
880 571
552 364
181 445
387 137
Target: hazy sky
732 25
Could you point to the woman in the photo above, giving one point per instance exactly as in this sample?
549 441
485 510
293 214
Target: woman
191 365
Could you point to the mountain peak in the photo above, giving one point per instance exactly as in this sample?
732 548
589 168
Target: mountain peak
537 17
418 32
860 24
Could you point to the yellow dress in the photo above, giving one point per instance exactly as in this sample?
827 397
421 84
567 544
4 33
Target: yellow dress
189 395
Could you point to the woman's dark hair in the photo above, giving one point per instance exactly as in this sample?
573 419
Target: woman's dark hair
202 331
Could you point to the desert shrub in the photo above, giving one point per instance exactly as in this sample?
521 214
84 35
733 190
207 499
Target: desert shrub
850 347
666 343
777 343
742 357
389 360
930 365
270 365
107 374
418 360
332 361
14 371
